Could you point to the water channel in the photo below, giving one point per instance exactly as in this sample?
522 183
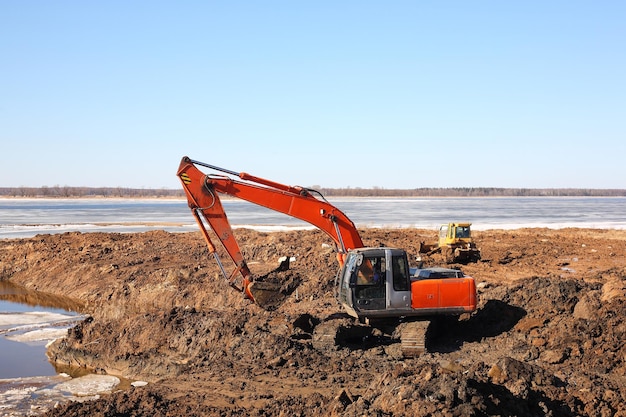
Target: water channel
29 383
28 321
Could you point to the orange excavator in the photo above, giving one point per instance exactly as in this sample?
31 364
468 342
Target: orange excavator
373 284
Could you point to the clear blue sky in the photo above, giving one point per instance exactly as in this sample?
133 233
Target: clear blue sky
391 94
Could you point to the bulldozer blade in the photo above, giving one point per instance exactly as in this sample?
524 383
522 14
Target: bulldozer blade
428 248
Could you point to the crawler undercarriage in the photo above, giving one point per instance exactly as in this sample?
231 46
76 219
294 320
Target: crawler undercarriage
345 331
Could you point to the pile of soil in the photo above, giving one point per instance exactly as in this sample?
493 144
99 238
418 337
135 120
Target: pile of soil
547 338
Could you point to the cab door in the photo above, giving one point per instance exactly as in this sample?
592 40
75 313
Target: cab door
398 281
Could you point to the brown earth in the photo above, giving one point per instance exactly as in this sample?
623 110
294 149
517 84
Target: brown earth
546 340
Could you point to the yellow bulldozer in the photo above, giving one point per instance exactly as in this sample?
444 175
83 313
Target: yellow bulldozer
455 244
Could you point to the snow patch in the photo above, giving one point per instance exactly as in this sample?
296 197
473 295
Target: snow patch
31 318
90 385
21 396
48 334
36 326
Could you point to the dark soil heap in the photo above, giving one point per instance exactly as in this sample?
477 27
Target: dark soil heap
548 338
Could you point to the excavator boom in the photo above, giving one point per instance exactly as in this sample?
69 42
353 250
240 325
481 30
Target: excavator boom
203 190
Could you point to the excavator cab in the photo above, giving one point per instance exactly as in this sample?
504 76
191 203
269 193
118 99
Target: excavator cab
375 283
397 293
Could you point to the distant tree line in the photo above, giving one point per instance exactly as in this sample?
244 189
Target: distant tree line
69 192
472 192
66 192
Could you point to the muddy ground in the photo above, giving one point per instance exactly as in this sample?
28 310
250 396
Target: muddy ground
547 339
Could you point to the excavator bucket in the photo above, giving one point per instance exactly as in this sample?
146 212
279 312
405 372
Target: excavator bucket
267 295
272 289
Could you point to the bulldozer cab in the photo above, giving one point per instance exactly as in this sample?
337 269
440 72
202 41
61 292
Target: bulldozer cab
452 233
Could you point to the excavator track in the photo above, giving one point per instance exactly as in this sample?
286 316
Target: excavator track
325 336
328 335
335 333
413 338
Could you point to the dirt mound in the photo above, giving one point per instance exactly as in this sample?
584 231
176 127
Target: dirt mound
547 339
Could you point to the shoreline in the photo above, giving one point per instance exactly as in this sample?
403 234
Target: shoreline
178 228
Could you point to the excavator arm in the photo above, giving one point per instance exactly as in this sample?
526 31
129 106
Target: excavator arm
203 190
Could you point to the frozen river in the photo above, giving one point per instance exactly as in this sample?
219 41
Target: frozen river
28 217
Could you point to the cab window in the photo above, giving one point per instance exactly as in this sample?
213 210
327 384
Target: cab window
401 277
371 271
